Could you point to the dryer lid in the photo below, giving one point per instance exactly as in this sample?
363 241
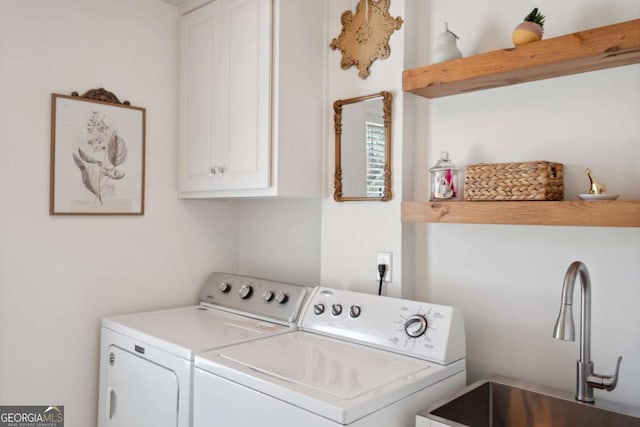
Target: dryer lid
185 331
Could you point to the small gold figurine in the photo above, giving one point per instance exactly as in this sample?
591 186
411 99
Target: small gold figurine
595 186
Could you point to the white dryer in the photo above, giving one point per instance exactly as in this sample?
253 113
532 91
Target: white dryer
146 359
358 360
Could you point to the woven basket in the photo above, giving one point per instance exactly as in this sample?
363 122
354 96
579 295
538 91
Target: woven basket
539 180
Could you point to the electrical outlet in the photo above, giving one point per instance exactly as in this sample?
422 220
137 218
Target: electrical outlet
384 258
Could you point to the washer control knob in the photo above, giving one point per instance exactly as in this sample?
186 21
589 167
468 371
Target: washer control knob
281 297
245 291
416 325
225 287
336 309
267 295
355 311
318 309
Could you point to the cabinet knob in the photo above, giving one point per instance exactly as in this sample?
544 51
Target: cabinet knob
214 170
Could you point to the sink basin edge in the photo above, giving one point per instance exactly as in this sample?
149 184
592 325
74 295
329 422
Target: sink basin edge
497 400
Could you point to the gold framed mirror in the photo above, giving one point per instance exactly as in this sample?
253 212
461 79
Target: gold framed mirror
363 148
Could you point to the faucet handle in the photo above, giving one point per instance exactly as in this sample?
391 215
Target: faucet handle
607 382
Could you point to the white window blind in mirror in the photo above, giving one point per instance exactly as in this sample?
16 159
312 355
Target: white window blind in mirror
375 158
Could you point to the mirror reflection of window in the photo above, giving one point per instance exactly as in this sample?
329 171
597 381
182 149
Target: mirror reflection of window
354 153
375 147
363 148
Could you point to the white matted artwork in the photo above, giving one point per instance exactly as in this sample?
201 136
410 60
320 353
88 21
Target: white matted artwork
97 156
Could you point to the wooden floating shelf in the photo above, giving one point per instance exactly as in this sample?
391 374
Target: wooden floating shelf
600 213
599 48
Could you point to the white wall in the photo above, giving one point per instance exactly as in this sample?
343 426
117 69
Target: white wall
280 240
507 279
60 275
352 232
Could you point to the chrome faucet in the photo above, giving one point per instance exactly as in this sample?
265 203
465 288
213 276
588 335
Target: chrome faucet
564 329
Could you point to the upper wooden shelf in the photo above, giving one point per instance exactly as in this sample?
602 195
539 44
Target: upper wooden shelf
599 48
601 213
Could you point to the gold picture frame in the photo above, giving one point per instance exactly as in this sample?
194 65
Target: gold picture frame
97 155
365 35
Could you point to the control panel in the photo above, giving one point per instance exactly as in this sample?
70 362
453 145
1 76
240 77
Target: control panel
249 295
419 329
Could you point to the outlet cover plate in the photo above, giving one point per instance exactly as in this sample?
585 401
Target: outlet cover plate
384 258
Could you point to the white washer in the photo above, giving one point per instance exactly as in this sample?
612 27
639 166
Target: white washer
146 359
358 360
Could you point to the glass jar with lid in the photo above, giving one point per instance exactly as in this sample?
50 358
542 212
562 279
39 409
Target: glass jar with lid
444 179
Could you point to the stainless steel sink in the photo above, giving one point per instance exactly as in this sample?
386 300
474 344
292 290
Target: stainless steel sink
498 401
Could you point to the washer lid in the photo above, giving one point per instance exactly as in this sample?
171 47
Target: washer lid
189 330
336 379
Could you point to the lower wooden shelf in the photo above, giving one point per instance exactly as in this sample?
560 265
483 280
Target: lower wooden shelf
601 213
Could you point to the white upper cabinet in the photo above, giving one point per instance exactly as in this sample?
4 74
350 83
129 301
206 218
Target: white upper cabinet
251 91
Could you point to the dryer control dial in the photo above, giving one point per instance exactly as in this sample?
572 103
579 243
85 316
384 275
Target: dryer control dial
245 291
267 295
281 297
225 287
416 325
318 309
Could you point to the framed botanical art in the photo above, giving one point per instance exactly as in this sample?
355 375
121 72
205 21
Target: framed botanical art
97 155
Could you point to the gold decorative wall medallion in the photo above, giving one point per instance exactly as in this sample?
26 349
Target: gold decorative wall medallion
365 35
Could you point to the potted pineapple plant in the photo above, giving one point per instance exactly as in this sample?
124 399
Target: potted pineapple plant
530 29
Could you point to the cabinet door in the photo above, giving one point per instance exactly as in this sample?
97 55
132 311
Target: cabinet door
199 38
139 392
244 144
225 100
